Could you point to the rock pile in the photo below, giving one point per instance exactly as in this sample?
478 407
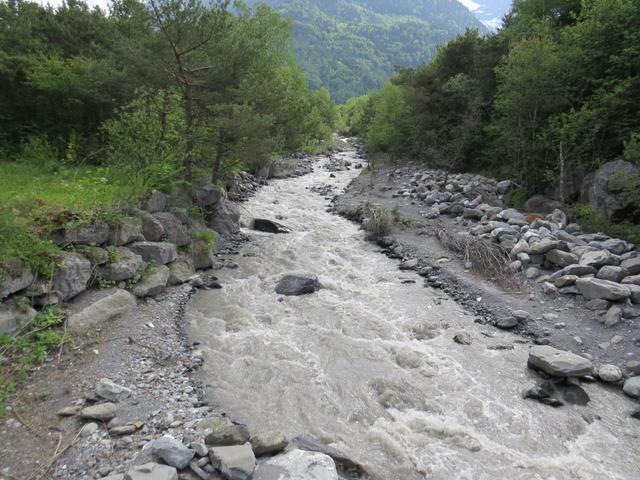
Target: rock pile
543 245
138 256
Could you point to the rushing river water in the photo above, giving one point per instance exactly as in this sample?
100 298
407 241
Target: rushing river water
368 363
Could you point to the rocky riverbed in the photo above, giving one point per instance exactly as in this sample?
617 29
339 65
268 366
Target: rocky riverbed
321 358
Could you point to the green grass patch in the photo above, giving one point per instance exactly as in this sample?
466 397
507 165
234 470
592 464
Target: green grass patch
21 353
591 221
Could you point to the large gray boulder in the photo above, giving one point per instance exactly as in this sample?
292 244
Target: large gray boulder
14 276
126 265
235 462
599 258
128 230
71 275
297 465
632 265
545 245
159 253
97 307
632 387
560 258
154 282
181 270
269 226
592 288
175 231
155 202
152 229
227 219
208 195
293 285
172 452
612 273
604 189
558 363
14 316
111 391
541 204
88 233
151 471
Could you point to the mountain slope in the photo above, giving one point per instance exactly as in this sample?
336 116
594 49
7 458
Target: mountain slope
353 46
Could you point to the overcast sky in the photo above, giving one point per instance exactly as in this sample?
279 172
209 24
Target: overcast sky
92 3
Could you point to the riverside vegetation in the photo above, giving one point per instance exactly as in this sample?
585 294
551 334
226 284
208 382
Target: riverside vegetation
546 100
99 109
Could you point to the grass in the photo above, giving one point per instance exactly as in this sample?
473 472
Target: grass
21 353
376 221
592 222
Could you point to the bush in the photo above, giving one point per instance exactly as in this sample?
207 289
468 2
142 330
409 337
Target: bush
376 221
585 216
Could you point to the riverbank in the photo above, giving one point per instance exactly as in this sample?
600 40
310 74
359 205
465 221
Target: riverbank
503 297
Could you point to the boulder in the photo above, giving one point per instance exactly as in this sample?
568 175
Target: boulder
268 443
128 230
159 253
96 255
269 226
71 275
152 229
592 288
88 233
560 258
312 444
181 270
14 316
151 471
153 283
558 363
96 307
541 204
578 270
612 273
15 275
504 186
614 245
635 293
201 254
599 258
208 195
293 285
297 465
155 202
603 190
172 452
558 217
565 281
125 265
227 219
632 265
219 431
174 230
235 462
632 387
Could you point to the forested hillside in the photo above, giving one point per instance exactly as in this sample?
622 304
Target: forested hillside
353 46
547 99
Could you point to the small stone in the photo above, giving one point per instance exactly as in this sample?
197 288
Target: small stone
609 373
112 391
102 411
268 443
89 429
463 338
521 315
123 430
506 323
612 317
220 431
69 411
632 387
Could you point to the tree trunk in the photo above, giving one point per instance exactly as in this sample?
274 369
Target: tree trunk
188 114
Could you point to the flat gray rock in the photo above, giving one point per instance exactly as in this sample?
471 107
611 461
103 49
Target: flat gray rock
102 411
151 471
268 443
235 462
159 253
96 307
112 391
154 283
126 265
220 431
592 288
558 363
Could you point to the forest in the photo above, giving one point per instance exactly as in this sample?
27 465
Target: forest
549 97
352 47
98 108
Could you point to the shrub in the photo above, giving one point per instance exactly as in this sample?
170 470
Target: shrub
376 221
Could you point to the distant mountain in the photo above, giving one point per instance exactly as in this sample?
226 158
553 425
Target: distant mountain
490 12
353 46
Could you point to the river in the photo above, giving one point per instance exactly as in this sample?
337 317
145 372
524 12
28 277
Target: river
368 363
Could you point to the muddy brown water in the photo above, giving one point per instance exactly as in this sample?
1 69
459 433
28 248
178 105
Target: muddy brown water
368 363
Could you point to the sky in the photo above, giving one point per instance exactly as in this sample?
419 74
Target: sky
92 3
490 12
